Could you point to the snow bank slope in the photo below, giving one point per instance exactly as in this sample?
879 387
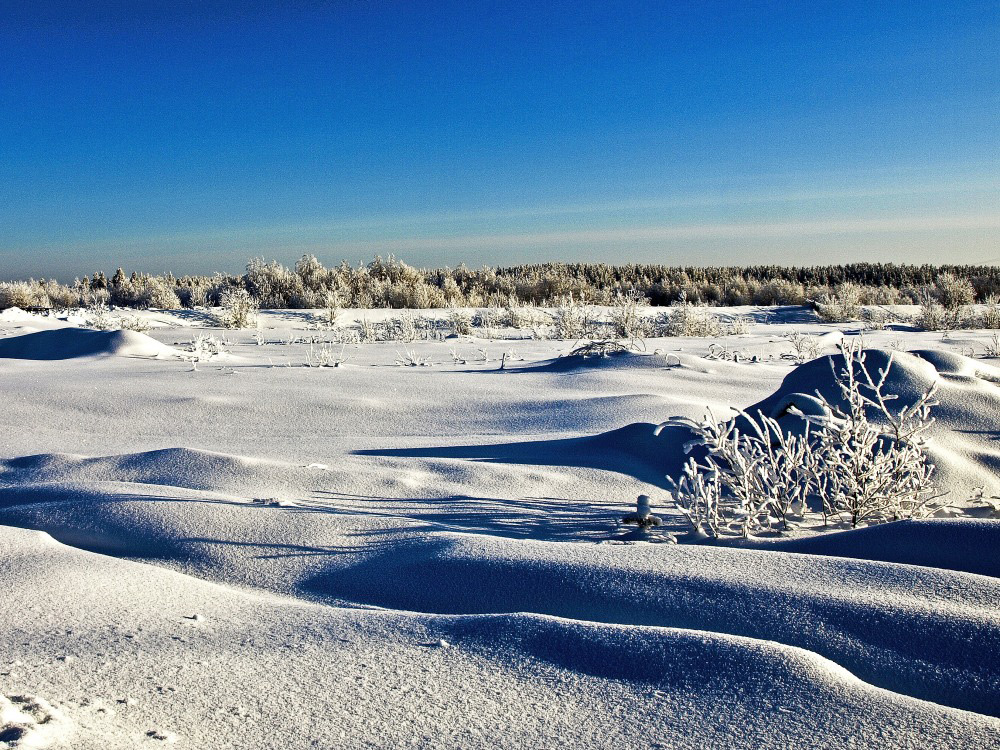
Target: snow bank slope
71 343
153 656
917 631
967 544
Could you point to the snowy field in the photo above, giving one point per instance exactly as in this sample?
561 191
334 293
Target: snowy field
422 547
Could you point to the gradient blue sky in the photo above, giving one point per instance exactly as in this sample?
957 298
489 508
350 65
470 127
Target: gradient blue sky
189 136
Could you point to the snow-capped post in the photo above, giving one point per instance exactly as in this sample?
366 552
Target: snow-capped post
643 517
643 506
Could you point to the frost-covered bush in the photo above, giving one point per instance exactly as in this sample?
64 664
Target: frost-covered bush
779 292
687 319
367 331
332 304
868 471
404 328
99 317
525 316
22 294
570 320
755 477
460 321
152 291
324 355
239 309
490 318
954 292
989 316
843 305
859 459
202 348
133 323
738 325
933 316
876 318
805 348
627 321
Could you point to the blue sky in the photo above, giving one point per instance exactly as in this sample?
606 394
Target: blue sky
189 136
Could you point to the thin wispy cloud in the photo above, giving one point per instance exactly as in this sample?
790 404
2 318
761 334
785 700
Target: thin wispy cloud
305 236
633 235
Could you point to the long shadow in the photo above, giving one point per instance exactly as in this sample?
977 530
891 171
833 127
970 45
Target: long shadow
544 518
429 575
422 574
784 314
642 450
292 316
204 317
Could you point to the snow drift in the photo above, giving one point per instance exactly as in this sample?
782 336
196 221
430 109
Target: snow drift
71 343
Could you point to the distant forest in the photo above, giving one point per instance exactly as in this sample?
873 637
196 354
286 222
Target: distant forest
392 283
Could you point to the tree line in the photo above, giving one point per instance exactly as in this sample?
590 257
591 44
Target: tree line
389 282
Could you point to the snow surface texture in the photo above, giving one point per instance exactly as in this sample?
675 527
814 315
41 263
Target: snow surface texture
255 553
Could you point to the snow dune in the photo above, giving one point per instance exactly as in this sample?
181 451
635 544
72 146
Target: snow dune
912 630
257 556
71 343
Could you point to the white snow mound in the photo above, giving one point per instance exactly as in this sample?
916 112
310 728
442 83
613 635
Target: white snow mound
72 343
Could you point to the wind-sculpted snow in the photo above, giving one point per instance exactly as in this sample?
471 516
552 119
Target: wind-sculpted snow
155 655
257 554
966 544
71 343
913 630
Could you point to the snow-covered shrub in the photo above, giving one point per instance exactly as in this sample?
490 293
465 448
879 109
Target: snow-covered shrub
194 292
410 358
933 316
876 318
152 291
404 328
239 309
325 356
490 318
99 317
757 473
989 316
805 347
868 471
22 294
738 325
992 348
779 292
64 297
698 497
570 320
332 304
954 292
525 316
859 459
627 321
203 348
367 331
843 305
133 323
687 319
460 321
